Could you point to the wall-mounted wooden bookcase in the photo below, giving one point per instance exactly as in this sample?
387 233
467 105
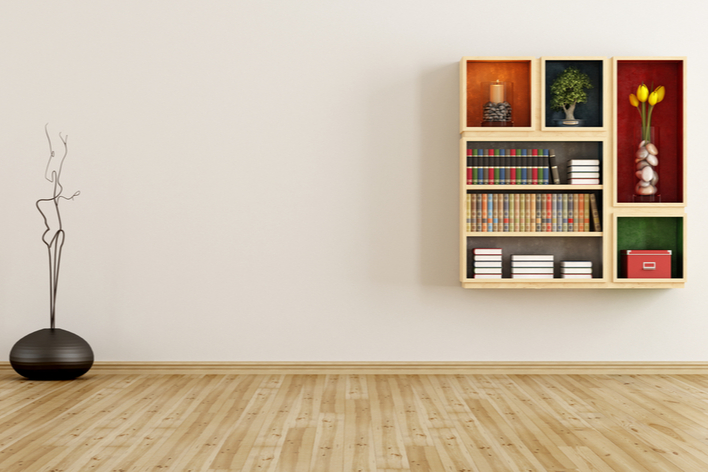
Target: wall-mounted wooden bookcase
608 137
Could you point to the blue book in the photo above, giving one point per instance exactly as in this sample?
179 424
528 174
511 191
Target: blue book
502 173
490 212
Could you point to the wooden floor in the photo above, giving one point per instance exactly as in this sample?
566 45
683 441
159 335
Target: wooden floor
331 423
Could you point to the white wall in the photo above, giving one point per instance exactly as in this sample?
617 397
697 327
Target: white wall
277 180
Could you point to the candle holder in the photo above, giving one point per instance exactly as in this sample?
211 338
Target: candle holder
497 109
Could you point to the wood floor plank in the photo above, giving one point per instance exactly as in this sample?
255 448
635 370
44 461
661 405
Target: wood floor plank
410 414
235 451
388 438
329 440
355 422
545 450
359 451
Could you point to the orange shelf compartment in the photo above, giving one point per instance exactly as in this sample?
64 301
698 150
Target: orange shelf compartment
516 71
667 121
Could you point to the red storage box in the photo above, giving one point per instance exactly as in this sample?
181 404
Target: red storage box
645 264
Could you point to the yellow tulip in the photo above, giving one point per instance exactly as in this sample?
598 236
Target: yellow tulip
660 92
653 98
642 93
633 100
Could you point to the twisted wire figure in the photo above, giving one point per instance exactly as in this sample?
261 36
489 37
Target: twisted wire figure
53 237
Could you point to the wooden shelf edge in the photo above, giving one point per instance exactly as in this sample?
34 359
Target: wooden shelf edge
556 234
570 283
579 129
649 205
535 188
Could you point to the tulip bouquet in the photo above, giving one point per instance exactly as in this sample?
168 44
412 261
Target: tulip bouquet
643 96
646 157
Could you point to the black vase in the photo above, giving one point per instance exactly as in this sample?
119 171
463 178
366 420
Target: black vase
51 354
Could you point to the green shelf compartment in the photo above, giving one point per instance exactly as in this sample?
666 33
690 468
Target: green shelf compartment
652 233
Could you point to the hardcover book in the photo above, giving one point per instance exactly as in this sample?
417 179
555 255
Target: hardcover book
532 257
527 264
488 258
486 251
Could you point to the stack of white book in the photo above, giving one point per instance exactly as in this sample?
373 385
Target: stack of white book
584 171
576 269
532 266
487 263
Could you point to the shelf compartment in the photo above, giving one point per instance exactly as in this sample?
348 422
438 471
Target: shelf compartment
564 247
476 71
668 121
593 112
497 205
651 233
564 152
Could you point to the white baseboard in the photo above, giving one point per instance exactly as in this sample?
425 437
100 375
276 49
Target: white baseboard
407 368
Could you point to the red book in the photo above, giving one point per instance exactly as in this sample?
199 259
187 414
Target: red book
490 159
512 169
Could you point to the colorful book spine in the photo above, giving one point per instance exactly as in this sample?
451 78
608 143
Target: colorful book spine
539 213
479 213
546 167
490 166
595 213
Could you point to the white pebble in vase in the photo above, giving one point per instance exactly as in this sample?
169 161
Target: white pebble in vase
647 174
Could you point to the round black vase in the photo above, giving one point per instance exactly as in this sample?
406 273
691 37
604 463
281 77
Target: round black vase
51 354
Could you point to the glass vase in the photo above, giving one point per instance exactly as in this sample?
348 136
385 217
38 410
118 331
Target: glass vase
646 169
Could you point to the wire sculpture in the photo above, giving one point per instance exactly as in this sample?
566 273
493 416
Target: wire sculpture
53 237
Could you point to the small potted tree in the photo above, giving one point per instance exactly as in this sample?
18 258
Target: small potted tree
567 91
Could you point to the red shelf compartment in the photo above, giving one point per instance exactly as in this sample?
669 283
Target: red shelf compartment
667 121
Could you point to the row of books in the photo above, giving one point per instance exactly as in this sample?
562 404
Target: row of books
532 212
487 264
521 167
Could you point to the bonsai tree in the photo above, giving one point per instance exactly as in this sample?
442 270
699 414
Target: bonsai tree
568 90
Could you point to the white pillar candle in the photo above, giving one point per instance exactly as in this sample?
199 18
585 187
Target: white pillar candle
496 92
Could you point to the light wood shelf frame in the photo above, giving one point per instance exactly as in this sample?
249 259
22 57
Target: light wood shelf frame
611 208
